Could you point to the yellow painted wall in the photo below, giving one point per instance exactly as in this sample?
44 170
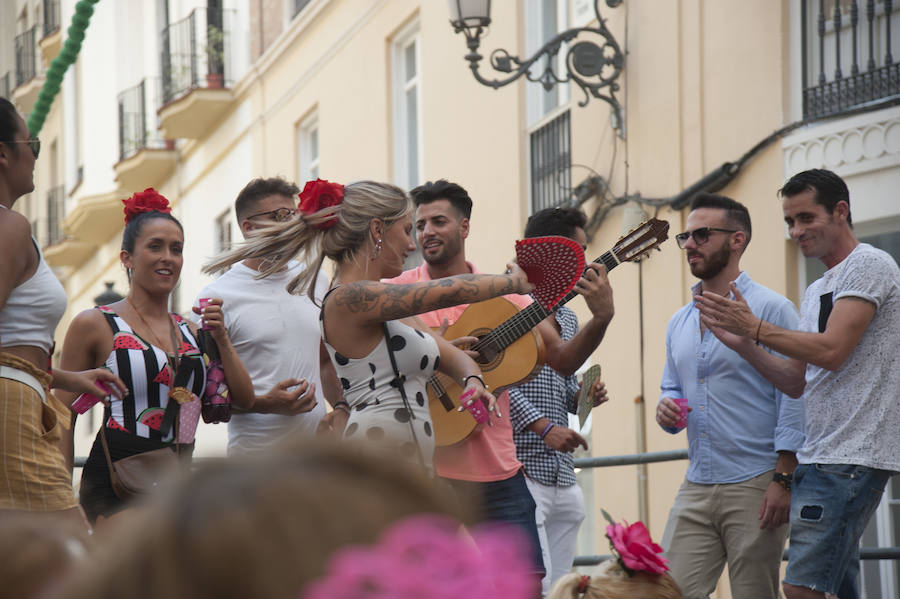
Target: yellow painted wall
703 82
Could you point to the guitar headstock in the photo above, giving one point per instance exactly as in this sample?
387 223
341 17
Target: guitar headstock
634 245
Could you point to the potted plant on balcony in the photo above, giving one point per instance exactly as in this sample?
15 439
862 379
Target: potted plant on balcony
215 53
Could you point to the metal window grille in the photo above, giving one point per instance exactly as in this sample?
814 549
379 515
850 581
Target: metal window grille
26 56
5 87
849 62
551 163
51 16
196 52
138 121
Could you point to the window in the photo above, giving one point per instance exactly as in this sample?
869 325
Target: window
845 64
295 6
308 149
223 231
543 20
551 162
407 95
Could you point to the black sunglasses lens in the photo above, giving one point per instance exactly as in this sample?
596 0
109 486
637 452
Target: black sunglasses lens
682 238
701 236
35 145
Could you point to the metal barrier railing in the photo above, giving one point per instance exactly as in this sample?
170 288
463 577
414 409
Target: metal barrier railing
866 553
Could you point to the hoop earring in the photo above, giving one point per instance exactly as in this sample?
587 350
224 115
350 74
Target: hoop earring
377 251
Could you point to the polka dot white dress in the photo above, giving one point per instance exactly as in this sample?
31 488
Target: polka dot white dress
377 413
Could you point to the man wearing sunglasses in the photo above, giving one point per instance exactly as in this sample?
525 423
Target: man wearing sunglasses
743 430
847 346
276 334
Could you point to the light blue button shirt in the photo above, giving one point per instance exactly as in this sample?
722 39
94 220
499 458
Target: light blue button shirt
739 419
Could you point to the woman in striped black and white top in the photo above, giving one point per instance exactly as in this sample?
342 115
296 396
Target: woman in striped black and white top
153 351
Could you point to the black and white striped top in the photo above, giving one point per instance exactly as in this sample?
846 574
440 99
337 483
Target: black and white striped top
145 370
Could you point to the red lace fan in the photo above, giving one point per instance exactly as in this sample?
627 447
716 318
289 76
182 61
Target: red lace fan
553 266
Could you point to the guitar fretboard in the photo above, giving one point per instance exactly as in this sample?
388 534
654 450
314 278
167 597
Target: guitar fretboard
526 319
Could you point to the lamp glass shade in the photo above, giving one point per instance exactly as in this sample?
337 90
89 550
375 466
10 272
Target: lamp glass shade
470 13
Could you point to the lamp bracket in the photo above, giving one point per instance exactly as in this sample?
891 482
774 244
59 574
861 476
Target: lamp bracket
593 64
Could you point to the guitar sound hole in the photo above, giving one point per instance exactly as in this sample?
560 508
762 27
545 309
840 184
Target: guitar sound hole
489 354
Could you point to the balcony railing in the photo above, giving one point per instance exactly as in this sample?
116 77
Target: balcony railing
849 62
138 122
551 163
27 56
5 87
196 53
51 17
55 214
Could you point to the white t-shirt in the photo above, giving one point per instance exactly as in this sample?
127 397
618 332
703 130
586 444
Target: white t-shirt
276 336
853 413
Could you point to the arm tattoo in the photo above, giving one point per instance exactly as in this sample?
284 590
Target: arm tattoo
391 302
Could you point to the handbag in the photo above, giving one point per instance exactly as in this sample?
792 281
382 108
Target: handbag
140 474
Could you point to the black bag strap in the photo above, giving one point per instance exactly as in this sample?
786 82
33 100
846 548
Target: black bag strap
398 382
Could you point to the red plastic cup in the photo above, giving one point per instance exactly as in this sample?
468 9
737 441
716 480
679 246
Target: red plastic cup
682 404
203 301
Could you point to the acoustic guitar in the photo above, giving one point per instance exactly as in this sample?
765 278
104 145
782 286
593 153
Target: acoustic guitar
510 351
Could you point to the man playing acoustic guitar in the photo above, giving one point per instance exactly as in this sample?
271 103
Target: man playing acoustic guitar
484 465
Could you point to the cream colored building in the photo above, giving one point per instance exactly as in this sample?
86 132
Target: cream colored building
380 89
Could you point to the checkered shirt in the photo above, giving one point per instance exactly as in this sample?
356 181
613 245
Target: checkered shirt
549 395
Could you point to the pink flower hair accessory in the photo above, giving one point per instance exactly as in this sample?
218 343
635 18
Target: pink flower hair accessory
426 557
317 196
145 201
634 547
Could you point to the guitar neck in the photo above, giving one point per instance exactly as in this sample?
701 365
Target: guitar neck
528 318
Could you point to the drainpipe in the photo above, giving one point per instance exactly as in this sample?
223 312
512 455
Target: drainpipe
632 216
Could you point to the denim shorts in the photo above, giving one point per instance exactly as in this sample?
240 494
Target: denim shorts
830 507
506 501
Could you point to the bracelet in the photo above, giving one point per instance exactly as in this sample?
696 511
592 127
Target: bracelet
343 405
474 376
546 430
758 327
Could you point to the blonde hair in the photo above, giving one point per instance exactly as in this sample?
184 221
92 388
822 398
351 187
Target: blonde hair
612 582
280 243
262 526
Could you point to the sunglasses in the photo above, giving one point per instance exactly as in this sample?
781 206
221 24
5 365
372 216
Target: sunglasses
700 236
280 215
34 144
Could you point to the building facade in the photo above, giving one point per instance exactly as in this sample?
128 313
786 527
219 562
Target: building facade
196 98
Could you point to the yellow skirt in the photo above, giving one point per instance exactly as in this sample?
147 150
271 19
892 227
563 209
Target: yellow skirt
33 473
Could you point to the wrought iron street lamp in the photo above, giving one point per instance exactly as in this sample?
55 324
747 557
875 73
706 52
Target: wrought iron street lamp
593 65
109 295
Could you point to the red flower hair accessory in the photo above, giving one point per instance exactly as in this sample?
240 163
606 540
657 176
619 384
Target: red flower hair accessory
635 548
145 201
318 195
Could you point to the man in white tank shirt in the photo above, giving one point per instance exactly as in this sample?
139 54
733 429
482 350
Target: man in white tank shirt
276 335
850 323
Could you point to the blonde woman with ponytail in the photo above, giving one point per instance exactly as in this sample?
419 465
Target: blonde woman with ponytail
369 327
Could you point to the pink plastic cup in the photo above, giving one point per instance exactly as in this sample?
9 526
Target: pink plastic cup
682 404
203 301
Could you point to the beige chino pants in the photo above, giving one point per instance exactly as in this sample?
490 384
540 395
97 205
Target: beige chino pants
711 525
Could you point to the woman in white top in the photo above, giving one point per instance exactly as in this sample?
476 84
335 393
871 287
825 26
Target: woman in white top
34 474
370 327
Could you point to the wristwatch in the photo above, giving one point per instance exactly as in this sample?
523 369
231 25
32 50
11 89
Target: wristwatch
784 479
